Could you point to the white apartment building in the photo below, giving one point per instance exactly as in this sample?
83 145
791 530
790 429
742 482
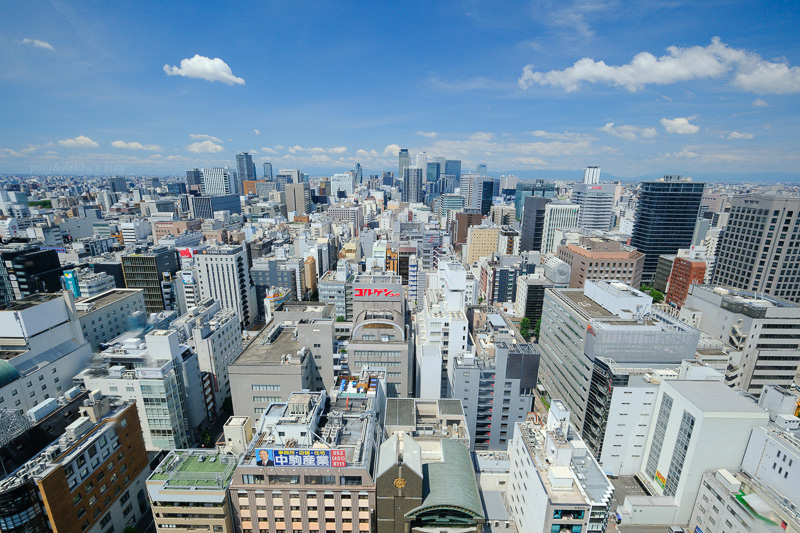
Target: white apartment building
110 314
162 377
554 482
135 231
699 426
222 274
213 332
557 217
43 347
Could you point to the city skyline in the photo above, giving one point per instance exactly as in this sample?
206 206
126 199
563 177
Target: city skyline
638 89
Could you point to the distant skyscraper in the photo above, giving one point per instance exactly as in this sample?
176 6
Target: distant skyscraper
268 171
245 171
597 204
359 174
532 227
591 175
298 198
412 185
119 184
758 251
539 187
665 218
452 167
342 182
482 169
557 217
433 171
194 178
218 181
422 161
403 162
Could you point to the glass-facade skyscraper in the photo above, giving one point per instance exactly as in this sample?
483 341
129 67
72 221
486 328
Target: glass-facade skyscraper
665 218
245 171
539 187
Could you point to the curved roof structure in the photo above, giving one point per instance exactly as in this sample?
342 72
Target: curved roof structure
8 373
450 487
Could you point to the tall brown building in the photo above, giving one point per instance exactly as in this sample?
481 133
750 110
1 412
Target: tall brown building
601 258
461 225
685 272
91 479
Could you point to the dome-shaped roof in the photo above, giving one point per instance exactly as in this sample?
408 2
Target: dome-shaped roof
8 373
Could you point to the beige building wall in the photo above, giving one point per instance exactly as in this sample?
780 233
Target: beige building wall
481 242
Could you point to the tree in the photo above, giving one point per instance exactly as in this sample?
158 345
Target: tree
340 318
206 439
537 328
314 296
655 294
525 328
480 300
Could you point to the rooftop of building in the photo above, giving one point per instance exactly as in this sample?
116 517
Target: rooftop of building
91 303
714 397
30 301
200 469
277 343
744 298
426 418
318 421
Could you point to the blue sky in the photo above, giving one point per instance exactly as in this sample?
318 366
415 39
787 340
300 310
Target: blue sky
635 87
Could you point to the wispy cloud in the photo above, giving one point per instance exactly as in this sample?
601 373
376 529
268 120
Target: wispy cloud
737 135
758 102
81 141
136 146
429 134
746 70
37 43
204 68
628 132
204 137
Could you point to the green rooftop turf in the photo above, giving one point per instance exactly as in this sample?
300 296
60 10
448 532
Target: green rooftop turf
191 465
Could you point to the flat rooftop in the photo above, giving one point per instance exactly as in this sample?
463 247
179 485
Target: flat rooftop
270 346
195 468
30 301
103 299
716 397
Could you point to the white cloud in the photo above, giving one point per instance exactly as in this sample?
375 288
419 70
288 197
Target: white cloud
204 68
204 137
81 141
736 135
37 43
748 70
629 133
136 146
204 147
257 132
758 102
563 136
391 150
337 149
429 134
679 125
268 150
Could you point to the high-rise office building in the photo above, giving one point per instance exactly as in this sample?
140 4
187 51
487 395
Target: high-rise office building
342 183
557 217
268 171
205 206
422 161
666 215
120 184
245 171
194 179
218 181
298 198
402 162
532 227
537 187
452 167
222 274
359 174
591 175
433 171
597 205
26 270
758 249
602 258
146 270
412 185
481 169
